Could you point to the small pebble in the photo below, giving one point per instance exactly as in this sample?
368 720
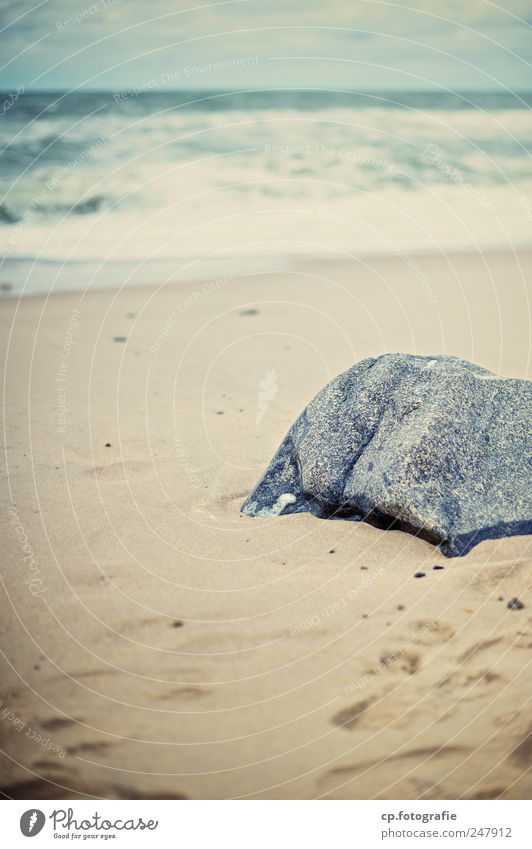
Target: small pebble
400 607
500 598
120 339
332 550
438 567
364 568
177 624
107 444
249 312
219 412
419 574
515 604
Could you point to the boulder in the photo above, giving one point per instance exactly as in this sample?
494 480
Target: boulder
435 446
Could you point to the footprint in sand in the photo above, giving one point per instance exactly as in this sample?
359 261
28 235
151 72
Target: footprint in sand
478 648
345 772
58 722
489 793
349 717
69 785
84 748
178 694
471 672
522 751
391 698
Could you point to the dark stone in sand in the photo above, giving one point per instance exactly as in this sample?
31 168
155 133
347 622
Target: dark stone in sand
435 446
515 604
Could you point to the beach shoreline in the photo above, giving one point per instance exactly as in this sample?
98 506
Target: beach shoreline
60 277
160 644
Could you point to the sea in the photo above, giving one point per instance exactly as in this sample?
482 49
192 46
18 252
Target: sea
105 189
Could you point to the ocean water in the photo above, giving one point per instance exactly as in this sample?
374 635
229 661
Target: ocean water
103 189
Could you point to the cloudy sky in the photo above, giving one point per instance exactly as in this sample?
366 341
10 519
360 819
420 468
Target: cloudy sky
340 44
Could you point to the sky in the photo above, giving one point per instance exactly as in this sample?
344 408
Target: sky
361 45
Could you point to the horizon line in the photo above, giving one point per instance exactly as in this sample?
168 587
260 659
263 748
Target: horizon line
277 89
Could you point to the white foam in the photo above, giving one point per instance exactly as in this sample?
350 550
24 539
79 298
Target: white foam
276 508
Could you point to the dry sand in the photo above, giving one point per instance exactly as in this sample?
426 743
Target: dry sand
161 645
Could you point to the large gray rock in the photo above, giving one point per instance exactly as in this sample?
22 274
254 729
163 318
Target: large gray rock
435 446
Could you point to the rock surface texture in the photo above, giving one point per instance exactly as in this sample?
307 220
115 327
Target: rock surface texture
435 446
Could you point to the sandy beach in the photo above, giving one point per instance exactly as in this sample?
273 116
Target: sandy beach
156 643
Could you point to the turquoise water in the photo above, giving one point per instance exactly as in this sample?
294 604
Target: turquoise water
161 185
